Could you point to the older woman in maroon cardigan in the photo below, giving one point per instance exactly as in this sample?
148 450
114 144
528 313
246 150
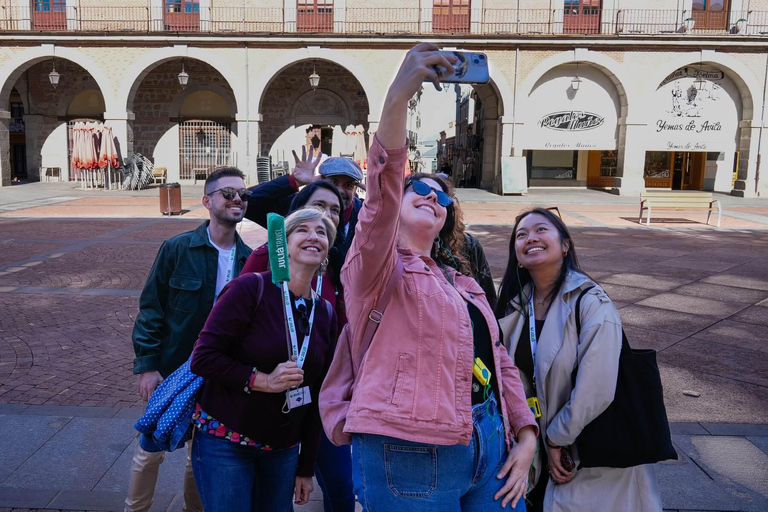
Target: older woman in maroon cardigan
246 447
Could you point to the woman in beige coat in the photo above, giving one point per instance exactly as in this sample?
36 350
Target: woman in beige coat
543 278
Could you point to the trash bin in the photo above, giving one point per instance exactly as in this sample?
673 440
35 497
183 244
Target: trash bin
170 199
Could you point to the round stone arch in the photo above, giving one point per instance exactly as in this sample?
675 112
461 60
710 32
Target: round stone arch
140 69
739 73
374 92
750 91
612 69
324 107
227 95
20 63
62 108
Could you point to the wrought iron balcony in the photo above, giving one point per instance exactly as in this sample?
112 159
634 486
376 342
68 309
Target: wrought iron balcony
325 19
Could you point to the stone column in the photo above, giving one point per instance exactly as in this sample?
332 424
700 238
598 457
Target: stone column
32 125
491 149
248 147
5 149
289 15
121 129
748 154
631 159
340 16
476 16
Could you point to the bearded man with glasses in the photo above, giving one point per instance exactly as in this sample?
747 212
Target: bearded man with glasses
189 272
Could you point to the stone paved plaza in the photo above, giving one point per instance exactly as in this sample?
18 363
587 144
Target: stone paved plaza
72 265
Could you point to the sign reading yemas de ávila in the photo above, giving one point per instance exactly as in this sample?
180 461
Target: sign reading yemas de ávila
571 121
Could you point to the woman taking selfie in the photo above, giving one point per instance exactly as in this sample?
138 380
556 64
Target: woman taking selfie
427 435
333 467
245 452
540 288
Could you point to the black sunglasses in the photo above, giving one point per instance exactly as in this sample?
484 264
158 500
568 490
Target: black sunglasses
229 193
423 189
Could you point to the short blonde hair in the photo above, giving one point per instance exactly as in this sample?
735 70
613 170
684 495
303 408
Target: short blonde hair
309 213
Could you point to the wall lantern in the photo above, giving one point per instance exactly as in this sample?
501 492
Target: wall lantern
314 78
699 82
54 76
183 77
576 82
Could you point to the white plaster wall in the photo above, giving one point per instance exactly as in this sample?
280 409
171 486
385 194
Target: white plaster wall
553 93
54 150
166 153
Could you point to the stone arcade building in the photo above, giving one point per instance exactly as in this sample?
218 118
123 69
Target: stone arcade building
582 93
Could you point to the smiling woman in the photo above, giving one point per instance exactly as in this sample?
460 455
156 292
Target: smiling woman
435 358
541 287
246 453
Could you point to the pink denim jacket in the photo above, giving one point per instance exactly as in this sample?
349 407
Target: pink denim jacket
414 382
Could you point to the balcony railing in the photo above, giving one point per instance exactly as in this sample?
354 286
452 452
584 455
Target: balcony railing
389 21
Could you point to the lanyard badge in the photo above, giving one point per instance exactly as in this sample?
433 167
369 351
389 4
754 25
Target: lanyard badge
278 259
533 402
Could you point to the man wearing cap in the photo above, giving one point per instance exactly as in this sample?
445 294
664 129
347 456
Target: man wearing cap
275 196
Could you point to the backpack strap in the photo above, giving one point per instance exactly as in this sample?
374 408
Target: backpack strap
376 314
578 308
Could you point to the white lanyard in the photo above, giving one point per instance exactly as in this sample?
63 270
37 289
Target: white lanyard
231 265
302 356
532 334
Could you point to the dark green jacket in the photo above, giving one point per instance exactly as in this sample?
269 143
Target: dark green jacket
176 300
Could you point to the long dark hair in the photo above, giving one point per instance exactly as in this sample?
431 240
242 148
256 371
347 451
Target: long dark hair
450 250
515 278
301 199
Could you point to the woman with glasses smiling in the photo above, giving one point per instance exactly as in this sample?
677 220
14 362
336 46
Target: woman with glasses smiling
436 411
245 451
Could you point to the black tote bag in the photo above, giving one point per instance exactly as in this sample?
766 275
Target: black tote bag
633 430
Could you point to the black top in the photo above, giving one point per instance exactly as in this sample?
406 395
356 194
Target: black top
523 356
483 350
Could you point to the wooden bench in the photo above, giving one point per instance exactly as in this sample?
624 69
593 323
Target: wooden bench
678 201
159 174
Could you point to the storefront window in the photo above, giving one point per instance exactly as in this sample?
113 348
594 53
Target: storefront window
608 163
656 164
553 164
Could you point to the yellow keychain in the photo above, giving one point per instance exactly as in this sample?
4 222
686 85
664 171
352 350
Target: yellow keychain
480 371
533 404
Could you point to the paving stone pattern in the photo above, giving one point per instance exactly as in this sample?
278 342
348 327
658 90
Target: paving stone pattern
69 294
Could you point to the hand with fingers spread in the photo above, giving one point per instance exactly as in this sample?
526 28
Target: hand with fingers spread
304 172
559 474
517 466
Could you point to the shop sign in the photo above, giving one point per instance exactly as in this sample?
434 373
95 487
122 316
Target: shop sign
571 145
571 121
692 72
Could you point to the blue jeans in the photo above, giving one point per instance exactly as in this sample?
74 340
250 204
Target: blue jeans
333 470
391 474
235 478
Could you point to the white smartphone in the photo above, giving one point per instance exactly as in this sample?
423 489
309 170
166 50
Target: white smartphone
471 68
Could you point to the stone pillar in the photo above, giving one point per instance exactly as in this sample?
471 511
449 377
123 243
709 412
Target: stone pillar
289 15
491 150
119 122
205 15
748 155
426 18
340 16
5 149
32 126
476 17
631 159
248 147
73 16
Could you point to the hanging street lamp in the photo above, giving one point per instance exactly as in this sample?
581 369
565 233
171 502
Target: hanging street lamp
54 76
183 77
314 78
